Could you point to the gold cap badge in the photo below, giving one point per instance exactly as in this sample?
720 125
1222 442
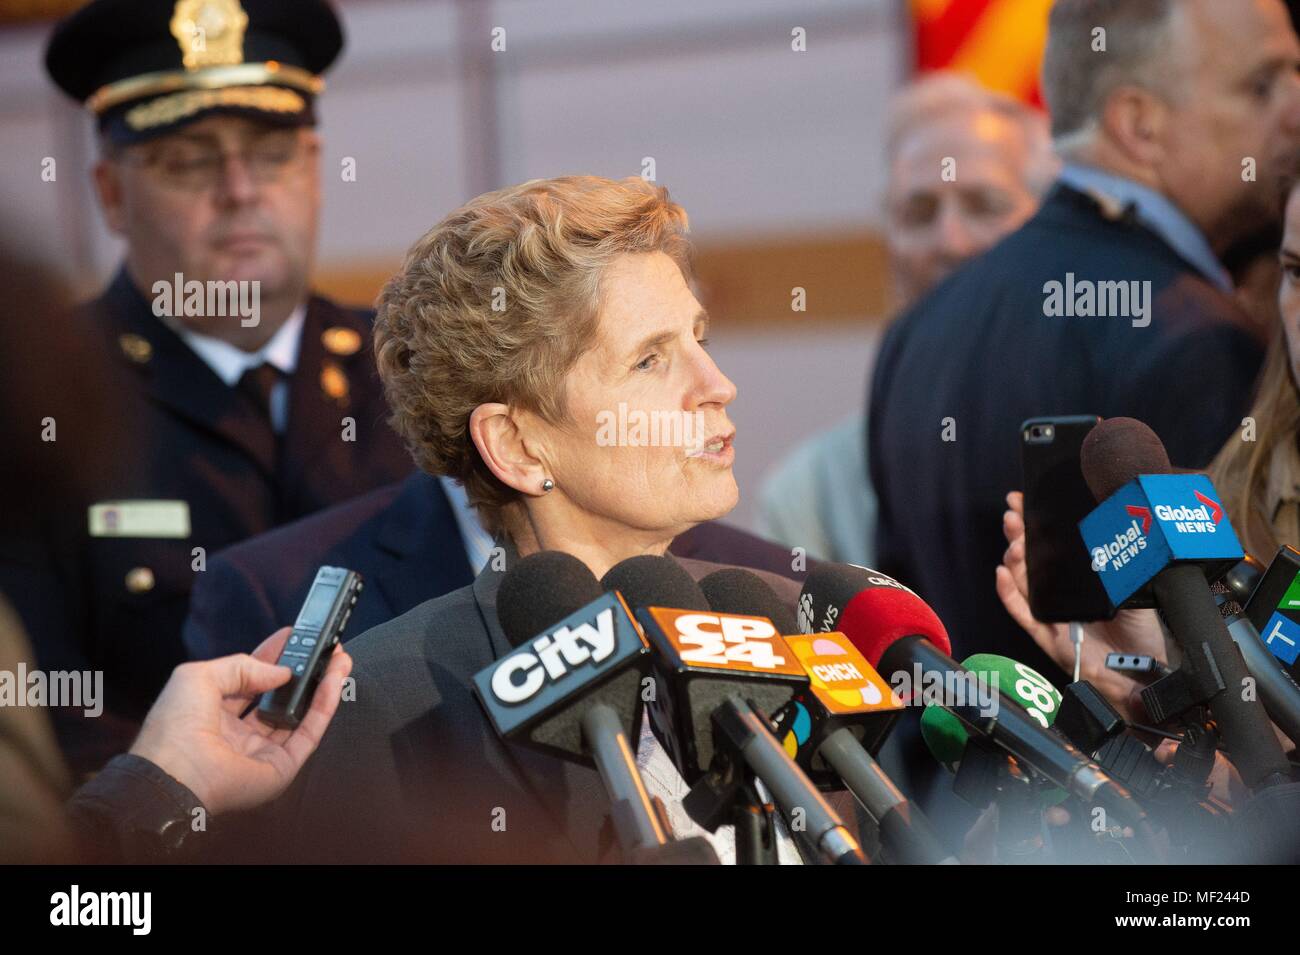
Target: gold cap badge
341 340
210 32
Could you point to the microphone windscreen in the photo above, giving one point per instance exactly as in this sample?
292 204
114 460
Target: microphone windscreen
540 590
870 608
650 581
1116 451
736 590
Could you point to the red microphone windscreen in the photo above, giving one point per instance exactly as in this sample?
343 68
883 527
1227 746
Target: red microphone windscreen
879 616
870 608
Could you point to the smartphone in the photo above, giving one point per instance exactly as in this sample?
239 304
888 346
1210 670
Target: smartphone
1063 587
315 634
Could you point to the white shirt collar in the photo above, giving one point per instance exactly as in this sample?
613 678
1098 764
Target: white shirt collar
229 363
478 542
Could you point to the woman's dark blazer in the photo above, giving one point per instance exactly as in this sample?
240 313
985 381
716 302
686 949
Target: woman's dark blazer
411 770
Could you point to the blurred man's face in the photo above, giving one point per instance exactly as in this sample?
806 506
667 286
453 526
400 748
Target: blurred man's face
937 221
225 198
1237 106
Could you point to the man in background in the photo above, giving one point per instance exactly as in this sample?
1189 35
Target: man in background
1000 157
1175 120
235 398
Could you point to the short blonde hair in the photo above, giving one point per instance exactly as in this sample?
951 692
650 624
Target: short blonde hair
498 301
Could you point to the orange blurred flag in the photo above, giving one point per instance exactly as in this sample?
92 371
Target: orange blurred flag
999 42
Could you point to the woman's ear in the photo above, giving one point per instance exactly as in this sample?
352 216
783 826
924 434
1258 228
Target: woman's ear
496 431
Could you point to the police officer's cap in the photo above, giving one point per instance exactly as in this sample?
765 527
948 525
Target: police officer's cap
146 67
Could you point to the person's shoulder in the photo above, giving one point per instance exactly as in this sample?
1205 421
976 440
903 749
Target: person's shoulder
333 311
714 541
811 465
422 659
827 445
317 533
786 588
1189 304
433 628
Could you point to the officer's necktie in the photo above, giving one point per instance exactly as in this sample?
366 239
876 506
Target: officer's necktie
257 384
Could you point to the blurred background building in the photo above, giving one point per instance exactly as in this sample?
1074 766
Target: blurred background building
763 117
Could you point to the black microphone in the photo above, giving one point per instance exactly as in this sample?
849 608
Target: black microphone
1156 537
839 722
1277 690
571 687
1177 795
897 632
736 590
1242 579
717 676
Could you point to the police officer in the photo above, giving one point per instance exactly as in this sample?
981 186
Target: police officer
237 400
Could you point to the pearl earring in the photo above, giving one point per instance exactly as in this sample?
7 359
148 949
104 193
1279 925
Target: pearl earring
548 485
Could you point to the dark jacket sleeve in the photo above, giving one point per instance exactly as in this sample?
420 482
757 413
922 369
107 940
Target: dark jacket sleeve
133 812
1209 377
889 552
230 612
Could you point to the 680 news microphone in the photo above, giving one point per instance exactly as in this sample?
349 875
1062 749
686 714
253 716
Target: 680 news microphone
899 634
1156 540
571 687
832 729
718 675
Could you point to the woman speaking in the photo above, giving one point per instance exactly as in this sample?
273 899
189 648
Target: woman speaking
541 345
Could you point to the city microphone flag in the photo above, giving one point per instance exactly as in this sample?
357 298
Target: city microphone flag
998 42
1153 522
529 693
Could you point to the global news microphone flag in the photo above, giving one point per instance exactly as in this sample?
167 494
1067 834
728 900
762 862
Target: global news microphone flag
1153 522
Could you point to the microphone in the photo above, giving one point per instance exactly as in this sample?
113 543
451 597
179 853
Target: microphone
717 675
700 661
1272 622
983 773
740 591
833 729
1177 795
1156 539
571 687
901 636
946 736
1277 690
1242 579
